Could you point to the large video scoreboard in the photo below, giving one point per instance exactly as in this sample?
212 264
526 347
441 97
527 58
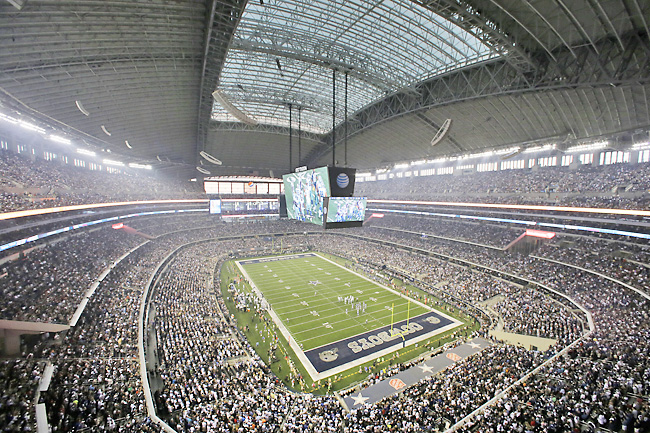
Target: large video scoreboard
323 196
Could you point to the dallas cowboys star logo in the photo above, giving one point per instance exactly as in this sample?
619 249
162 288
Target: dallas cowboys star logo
425 368
359 399
474 345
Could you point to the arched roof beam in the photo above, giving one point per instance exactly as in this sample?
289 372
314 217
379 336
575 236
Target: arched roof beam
624 67
474 22
531 33
352 69
605 16
576 23
641 17
223 18
550 26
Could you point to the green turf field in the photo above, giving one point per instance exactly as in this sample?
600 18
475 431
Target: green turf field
304 294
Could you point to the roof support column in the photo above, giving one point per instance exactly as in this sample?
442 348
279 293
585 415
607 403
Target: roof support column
333 117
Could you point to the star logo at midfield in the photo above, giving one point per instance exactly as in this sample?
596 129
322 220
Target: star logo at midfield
359 399
425 368
474 345
315 283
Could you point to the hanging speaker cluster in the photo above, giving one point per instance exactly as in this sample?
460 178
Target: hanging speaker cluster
210 158
222 99
441 132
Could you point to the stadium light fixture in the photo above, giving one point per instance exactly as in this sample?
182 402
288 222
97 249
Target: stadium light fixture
437 160
59 139
113 162
8 119
143 166
367 174
507 151
31 127
401 166
86 152
419 162
381 170
105 130
543 148
202 170
643 145
478 155
127 144
588 147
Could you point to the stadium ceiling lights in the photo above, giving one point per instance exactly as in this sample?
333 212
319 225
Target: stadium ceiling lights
639 146
86 152
539 148
588 147
59 139
8 119
143 166
31 127
113 162
401 166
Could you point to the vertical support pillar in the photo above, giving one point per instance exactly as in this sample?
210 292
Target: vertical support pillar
333 117
345 139
290 141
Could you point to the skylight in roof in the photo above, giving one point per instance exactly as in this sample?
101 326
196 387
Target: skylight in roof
284 53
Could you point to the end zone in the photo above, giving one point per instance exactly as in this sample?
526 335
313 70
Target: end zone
342 355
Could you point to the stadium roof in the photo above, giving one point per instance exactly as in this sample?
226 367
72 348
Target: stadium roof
507 72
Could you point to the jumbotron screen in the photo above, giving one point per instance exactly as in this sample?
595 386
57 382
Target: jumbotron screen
306 190
345 209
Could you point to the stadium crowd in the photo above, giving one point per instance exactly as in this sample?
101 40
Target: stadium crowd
585 186
190 381
47 283
28 182
623 262
19 379
528 312
213 380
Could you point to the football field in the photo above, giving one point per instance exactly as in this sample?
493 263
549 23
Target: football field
334 318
